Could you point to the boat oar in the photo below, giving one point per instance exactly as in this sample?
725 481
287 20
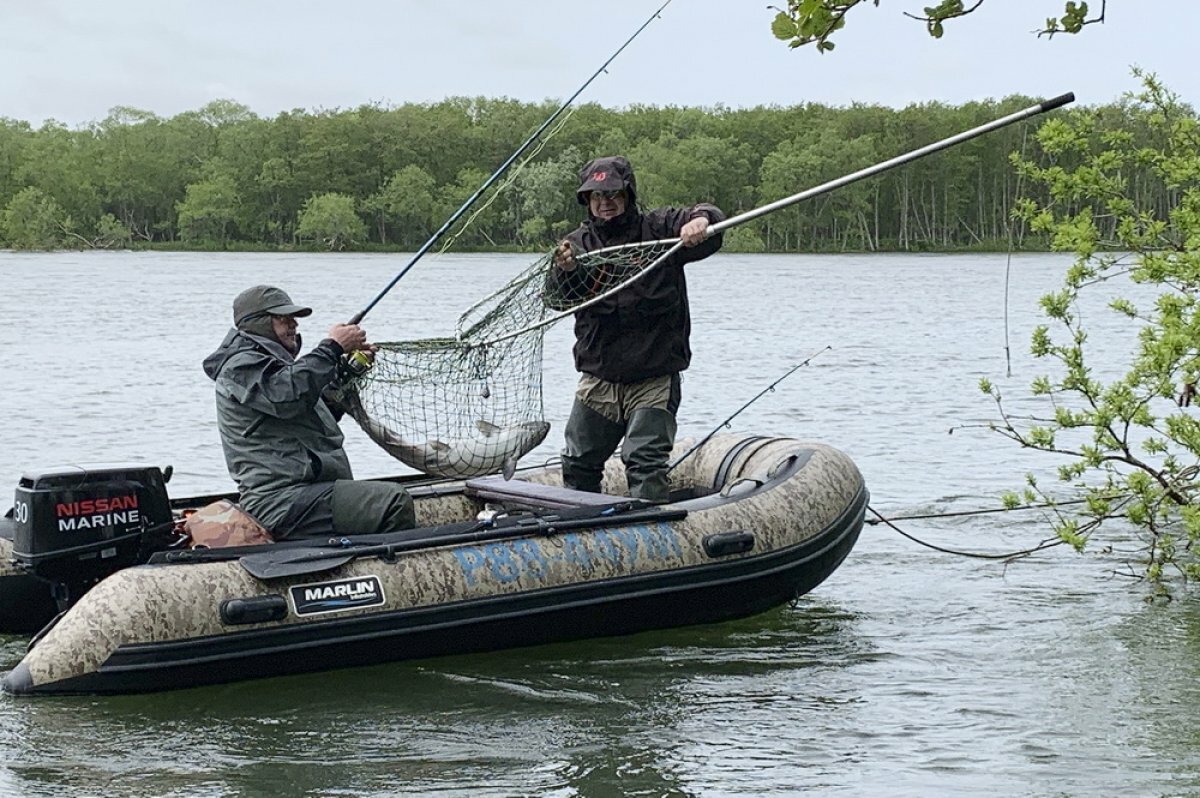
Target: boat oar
276 565
284 562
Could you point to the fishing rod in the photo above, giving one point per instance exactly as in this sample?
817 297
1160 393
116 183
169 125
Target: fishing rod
358 317
824 188
739 411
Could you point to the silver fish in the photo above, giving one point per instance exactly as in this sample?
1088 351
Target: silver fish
490 449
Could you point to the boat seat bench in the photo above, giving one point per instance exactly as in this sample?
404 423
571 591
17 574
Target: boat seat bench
532 494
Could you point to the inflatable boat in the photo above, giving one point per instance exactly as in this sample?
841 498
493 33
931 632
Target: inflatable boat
753 522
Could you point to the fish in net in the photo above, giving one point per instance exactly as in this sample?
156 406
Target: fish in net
471 405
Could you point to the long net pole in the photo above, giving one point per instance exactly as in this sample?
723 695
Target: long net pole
870 171
358 317
899 160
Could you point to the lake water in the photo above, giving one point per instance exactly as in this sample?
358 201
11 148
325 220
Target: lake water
909 672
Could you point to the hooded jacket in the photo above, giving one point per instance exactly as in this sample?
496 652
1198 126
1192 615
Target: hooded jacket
277 432
644 330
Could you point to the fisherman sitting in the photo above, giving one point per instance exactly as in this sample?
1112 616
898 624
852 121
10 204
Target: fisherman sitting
279 427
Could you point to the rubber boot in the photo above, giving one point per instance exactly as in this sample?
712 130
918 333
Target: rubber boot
590 440
649 436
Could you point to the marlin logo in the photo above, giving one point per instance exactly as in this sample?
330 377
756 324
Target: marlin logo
342 594
599 176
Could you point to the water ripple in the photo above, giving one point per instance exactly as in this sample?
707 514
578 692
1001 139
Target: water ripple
910 672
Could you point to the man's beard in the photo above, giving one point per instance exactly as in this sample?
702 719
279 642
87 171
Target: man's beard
293 350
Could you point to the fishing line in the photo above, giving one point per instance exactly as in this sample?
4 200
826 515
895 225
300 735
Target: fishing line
533 137
1008 263
508 181
963 513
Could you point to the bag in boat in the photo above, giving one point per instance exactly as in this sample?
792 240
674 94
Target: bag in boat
222 524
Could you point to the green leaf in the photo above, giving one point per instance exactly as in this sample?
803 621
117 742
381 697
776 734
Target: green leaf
784 27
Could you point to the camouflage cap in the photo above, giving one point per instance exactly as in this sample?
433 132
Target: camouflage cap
262 299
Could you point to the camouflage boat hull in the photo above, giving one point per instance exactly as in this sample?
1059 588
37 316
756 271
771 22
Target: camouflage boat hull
759 521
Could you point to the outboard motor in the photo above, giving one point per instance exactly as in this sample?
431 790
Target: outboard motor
74 526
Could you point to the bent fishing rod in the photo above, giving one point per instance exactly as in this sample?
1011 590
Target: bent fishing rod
816 191
533 137
740 410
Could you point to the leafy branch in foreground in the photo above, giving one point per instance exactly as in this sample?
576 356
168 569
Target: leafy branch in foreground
1125 200
815 21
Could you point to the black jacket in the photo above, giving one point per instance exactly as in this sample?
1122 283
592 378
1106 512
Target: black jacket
642 331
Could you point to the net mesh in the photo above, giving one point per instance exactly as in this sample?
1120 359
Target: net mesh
472 405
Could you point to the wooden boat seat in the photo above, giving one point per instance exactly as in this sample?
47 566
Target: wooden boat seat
532 494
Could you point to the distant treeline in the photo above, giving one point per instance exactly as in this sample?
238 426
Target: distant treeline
375 177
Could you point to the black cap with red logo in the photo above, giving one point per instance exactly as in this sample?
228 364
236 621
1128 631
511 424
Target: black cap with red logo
610 173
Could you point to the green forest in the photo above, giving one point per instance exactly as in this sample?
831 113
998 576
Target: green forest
378 177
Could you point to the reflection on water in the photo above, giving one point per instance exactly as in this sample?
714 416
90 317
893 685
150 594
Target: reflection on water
561 719
908 673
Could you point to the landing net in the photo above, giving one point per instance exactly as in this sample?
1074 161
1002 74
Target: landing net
472 405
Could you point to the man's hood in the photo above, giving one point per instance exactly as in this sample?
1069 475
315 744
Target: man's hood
241 341
608 173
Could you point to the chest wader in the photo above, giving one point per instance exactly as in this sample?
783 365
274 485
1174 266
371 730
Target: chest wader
649 436
590 440
649 433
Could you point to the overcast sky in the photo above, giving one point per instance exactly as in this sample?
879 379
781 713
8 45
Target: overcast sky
73 60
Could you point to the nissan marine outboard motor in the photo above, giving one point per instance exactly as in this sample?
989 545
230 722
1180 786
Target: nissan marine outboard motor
74 525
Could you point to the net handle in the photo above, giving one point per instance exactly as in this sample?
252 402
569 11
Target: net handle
824 188
870 171
899 160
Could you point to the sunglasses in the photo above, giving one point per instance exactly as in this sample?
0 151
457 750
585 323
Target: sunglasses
620 192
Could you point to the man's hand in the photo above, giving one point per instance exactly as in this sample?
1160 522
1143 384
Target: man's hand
350 337
564 256
694 232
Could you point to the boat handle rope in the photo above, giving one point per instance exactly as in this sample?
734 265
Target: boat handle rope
737 486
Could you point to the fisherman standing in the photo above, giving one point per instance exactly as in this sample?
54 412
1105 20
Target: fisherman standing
630 347
278 425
